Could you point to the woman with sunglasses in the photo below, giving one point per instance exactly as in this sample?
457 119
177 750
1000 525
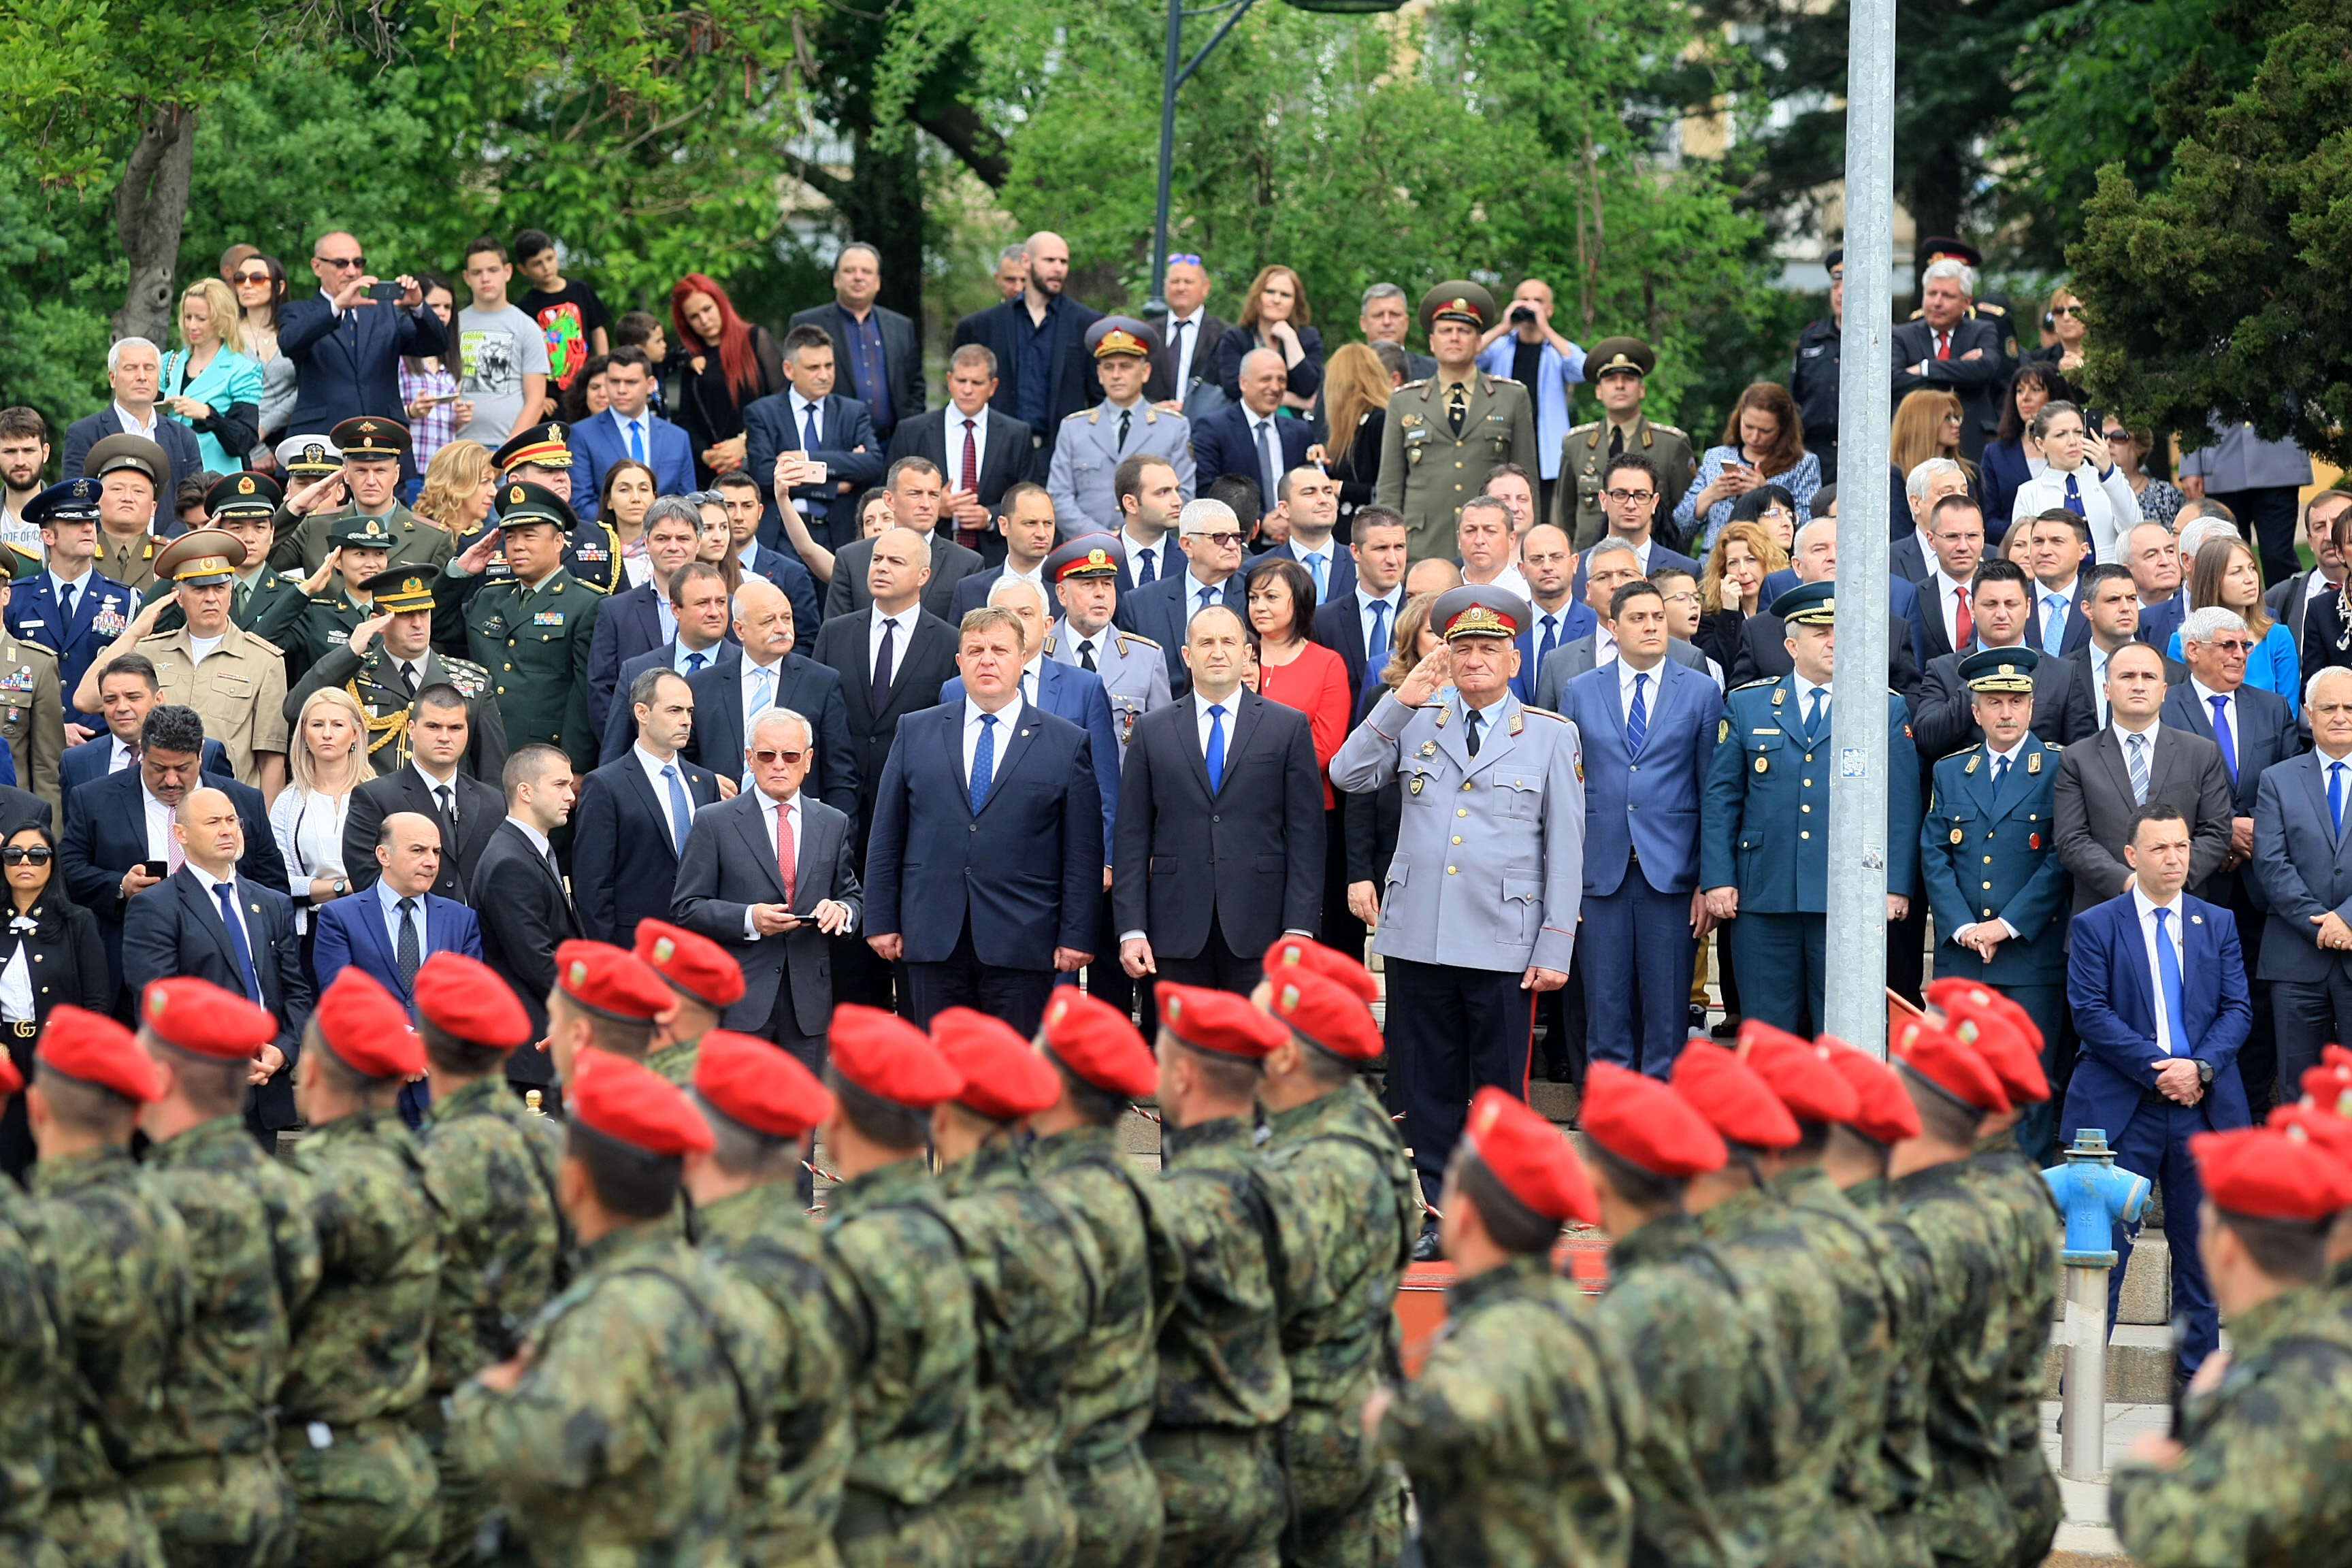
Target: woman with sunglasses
260 285
50 953
2064 319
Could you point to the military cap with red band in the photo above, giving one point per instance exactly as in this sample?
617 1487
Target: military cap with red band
1089 556
758 1084
1476 610
1528 1156
1306 952
691 962
1457 299
1099 1045
200 1017
1799 1072
1883 1110
1735 1102
94 1048
367 1030
1958 1072
1002 1079
2272 1173
463 997
1325 1012
606 980
1644 1123
890 1058
1218 1022
632 1104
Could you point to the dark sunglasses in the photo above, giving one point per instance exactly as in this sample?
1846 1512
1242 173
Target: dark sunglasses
253 278
2066 309
767 759
351 263
17 855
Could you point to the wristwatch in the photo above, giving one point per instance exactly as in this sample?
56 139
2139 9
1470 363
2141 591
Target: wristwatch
2205 1074
342 886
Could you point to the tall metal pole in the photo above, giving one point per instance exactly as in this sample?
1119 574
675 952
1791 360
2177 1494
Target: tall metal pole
1170 80
1855 1003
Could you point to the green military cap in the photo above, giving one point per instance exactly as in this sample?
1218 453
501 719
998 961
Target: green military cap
201 558
522 504
309 456
372 438
2000 669
541 446
400 590
360 532
243 495
1611 354
1458 299
1808 604
1476 610
21 565
135 453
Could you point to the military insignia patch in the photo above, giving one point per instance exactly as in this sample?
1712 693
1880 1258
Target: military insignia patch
548 618
1973 761
1761 765
1957 835
2033 764
1722 732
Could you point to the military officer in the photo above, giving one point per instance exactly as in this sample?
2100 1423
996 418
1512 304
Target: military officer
385 660
531 631
1481 902
367 482
1619 369
263 600
540 457
335 595
1093 442
1444 435
1764 824
129 508
71 609
32 705
1084 574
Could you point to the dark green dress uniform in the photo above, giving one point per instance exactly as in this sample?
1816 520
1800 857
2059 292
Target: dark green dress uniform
591 550
531 639
329 618
1764 826
300 544
1586 449
375 680
1444 437
32 700
35 1392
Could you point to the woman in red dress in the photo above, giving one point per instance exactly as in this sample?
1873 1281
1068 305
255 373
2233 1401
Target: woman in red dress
1292 670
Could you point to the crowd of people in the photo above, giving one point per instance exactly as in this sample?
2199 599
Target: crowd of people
364 634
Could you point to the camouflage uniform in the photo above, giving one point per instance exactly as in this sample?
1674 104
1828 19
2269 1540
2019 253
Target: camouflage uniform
2264 1481
760 1239
364 1485
115 1257
623 1440
1955 1241
905 1308
1035 1277
675 1061
1223 1387
490 1172
2002 1174
1108 1395
1516 1431
33 1392
1350 1186
1906 1468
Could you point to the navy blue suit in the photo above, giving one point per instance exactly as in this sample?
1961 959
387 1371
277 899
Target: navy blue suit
623 858
1641 858
2156 625
598 443
2303 867
619 731
1159 610
984 898
851 452
2111 992
1902 595
174 928
352 931
1221 445
102 612
178 441
1576 619
351 366
1339 577
788 572
1068 692
1339 627
811 689
629 627
87 761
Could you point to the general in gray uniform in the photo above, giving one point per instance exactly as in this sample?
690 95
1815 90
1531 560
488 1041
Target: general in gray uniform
1091 445
1445 435
1084 574
1479 906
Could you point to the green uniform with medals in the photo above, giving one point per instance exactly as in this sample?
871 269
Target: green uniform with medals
387 694
300 544
329 618
531 639
1444 437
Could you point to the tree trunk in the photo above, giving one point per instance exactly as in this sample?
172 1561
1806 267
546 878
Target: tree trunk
1937 190
149 210
884 207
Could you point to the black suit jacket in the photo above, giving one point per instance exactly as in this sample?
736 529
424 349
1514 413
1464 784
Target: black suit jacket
848 593
1977 383
1943 719
174 928
2094 803
351 366
1764 654
1161 385
624 859
902 359
809 688
925 664
730 865
2267 734
1221 445
525 915
1001 328
1245 862
852 452
178 441
1007 455
1904 557
480 808
22 807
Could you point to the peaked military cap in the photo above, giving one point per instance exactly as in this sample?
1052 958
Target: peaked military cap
309 456
522 504
1944 247
1808 604
68 501
201 558
400 590
1116 335
2000 669
373 438
358 532
243 495
1476 610
21 563
1089 556
1457 299
1613 354
135 453
541 445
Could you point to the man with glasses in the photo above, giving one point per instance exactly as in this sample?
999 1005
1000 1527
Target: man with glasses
1618 369
1943 618
346 341
387 660
1211 537
1630 489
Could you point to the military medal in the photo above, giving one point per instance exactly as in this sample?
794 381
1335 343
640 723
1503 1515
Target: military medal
1418 780
2033 764
1958 836
1760 764
1429 748
2033 841
1779 695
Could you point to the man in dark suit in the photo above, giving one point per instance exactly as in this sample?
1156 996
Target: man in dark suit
629 829
734 887
134 369
433 784
1912 556
1025 534
2100 784
1039 339
1211 537
638 620
1351 626
1944 720
2303 866
1637 479
347 346
1246 437
209 922
790 435
2153 554
1950 351
985 912
762 671
2111 602
127 694
1943 617
628 429
914 491
2157 989
742 500
2058 547
519 898
701 607
1184 360
982 453
1308 502
880 357
2289 602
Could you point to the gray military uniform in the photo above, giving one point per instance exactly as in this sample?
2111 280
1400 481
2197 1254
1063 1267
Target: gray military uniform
1134 673
1087 455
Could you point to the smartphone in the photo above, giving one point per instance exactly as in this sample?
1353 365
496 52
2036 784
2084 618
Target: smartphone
812 473
159 869
384 293
440 397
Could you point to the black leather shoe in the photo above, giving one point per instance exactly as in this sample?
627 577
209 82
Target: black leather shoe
1728 1029
1425 1248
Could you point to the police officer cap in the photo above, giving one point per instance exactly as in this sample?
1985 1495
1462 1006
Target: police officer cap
1526 1154
401 589
1610 356
522 504
1116 335
1944 247
1457 299
541 445
309 456
2271 1173
1089 556
21 563
372 438
68 501
2000 669
1476 610
1808 604
358 532
135 453
201 558
243 495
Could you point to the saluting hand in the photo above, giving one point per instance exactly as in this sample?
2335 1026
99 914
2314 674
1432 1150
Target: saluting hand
1435 669
316 582
477 558
321 492
366 632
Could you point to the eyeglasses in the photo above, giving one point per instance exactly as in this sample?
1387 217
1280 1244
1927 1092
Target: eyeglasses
348 263
2233 646
1688 596
768 759
1626 498
18 855
1222 541
243 278
2065 310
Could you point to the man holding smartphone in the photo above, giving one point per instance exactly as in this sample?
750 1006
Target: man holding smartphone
347 339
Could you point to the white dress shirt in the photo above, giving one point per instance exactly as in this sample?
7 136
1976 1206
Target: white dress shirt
2108 506
390 899
801 407
1804 700
644 425
653 767
1947 592
17 1003
1006 718
681 658
131 425
1626 678
957 423
236 907
905 621
88 580
1510 580
1201 721
2205 694
120 758
1029 679
444 794
2099 678
1163 554
1604 645
2148 908
159 825
1188 344
1329 555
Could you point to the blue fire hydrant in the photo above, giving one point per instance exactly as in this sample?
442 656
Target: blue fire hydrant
2095 1196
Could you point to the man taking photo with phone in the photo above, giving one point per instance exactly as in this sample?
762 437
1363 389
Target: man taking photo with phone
347 339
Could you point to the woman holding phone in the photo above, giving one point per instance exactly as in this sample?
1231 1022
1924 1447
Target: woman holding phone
1764 440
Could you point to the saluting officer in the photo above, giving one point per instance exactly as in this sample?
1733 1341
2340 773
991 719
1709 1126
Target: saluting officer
541 456
32 705
1084 573
1480 907
1619 370
385 660
531 631
1446 434
1764 827
366 482
1093 442
335 596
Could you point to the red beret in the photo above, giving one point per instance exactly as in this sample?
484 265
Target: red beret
1644 1123
1957 1070
2334 1057
1218 1021
2324 1128
199 1016
1096 1041
96 1049
1306 952
693 963
1736 1101
2329 1087
1979 1016
603 979
2272 1173
1798 1071
1883 1110
631 1102
1325 1011
758 1084
1980 995
1003 1078
890 1058
366 1029
463 997
1529 1157
11 1081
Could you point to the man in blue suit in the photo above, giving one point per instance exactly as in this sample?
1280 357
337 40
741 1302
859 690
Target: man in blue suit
629 828
2057 549
2159 991
764 672
2303 866
629 428
638 620
1558 615
1247 438
347 347
100 608
810 423
703 632
134 371
1211 537
984 873
1650 728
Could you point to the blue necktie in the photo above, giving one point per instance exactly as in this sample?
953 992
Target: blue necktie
1315 564
983 762
2000 775
1814 706
681 810
637 442
1216 747
761 694
813 505
1546 641
2054 622
695 661
1207 597
2167 966
2074 498
223 892
1376 650
2228 742
2336 796
1637 718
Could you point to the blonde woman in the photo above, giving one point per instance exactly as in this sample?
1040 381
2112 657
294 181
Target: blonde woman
460 483
1273 315
1731 586
209 383
1355 409
329 761
1928 425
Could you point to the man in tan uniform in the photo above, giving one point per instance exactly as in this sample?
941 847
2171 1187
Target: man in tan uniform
32 706
1445 433
128 469
1618 369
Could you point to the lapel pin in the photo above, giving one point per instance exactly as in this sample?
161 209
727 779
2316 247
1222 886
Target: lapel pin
2196 919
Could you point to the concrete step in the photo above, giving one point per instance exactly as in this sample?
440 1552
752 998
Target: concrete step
2148 1284
2085 1536
2140 1363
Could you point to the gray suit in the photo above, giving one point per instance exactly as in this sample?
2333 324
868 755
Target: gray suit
1575 657
1087 455
729 865
2303 867
847 593
1134 672
2094 801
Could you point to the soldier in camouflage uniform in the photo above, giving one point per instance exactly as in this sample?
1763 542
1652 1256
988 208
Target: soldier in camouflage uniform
1350 1187
387 661
1103 1066
761 1106
1036 1276
706 980
1223 1387
116 1259
336 599
1516 1432
33 1390
489 1168
2258 1472
215 1488
898 1288
624 1431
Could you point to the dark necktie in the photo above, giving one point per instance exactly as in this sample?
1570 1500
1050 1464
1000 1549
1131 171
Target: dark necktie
2075 497
1549 640
1457 407
808 430
555 869
1150 569
984 763
1815 706
407 676
448 797
239 598
1176 357
2000 775
411 950
1616 442
1213 753
694 663
2336 796
1086 656
1269 461
878 696
1375 647
1125 416
226 893
969 480
1471 721
65 601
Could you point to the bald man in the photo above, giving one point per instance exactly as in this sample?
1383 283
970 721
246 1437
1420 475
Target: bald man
1043 372
347 346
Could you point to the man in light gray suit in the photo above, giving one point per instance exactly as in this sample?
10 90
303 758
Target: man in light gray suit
1609 565
2103 778
767 876
2303 862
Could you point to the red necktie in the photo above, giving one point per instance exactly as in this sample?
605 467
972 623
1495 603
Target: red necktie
969 484
1943 345
785 856
1966 624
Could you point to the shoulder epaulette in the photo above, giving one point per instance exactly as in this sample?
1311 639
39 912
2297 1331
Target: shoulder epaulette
1752 685
1409 386
1580 429
1989 307
1085 414
1542 712
1127 637
1492 381
26 650
332 600
2051 746
264 644
1670 429
1964 751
